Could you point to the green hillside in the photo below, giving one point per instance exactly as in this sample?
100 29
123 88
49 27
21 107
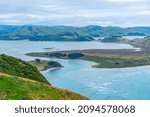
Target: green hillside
17 67
44 33
20 80
17 88
67 33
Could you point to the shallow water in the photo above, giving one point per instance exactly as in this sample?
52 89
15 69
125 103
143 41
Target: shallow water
103 84
78 76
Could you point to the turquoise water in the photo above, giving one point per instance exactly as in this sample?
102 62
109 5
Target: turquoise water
78 76
103 84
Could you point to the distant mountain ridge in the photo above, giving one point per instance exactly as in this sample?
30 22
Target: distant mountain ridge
67 33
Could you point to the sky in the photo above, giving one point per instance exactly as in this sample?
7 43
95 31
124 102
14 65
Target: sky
124 13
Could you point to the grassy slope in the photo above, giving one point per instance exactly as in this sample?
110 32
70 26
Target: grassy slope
17 88
17 67
26 82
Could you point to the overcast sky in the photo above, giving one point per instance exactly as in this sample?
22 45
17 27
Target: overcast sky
123 13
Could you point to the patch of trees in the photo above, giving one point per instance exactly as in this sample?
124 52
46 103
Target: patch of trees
64 55
52 64
112 39
57 55
37 60
75 55
136 34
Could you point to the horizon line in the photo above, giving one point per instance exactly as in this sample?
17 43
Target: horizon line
70 25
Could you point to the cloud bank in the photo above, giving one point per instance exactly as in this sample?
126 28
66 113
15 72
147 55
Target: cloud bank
76 12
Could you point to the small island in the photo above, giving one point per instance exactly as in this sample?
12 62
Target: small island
44 64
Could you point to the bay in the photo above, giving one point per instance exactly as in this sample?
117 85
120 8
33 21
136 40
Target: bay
78 76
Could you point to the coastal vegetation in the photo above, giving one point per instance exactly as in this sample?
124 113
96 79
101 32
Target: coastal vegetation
57 55
19 80
108 58
44 64
105 59
118 61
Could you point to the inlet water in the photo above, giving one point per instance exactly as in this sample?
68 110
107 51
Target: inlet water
78 76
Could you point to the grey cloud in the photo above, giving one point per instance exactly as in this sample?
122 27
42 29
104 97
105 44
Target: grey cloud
75 12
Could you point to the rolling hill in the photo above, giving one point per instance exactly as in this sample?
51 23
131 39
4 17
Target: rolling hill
17 67
67 33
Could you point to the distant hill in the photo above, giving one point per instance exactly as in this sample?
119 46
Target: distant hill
42 33
67 33
112 39
21 81
144 43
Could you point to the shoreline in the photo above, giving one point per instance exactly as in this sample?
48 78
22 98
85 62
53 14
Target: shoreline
50 69
107 59
42 65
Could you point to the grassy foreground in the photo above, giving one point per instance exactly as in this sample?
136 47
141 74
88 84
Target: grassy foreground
18 88
19 80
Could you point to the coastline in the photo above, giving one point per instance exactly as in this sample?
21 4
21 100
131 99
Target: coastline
104 58
42 65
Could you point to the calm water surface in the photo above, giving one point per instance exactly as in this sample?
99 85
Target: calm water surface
78 76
